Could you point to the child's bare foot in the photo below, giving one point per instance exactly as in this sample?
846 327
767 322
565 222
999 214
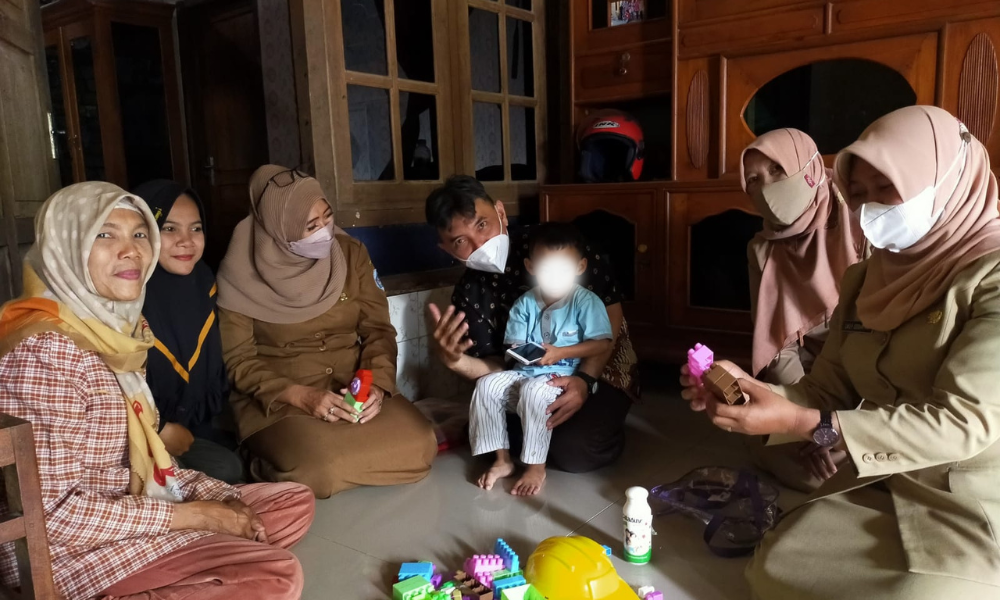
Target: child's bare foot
502 467
531 482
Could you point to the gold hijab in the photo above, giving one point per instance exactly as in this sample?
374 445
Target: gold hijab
260 276
59 296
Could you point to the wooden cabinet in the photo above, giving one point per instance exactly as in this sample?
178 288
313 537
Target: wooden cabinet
629 225
115 99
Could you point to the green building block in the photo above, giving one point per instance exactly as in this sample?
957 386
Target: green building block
413 588
521 592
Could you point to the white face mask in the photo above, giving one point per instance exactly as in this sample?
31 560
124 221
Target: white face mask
783 202
491 257
899 226
315 246
556 277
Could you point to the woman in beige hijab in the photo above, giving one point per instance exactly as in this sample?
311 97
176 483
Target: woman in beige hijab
301 309
121 518
906 384
796 263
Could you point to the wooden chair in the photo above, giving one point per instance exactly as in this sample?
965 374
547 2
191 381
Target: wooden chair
24 524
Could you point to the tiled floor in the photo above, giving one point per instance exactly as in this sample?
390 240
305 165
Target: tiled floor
360 537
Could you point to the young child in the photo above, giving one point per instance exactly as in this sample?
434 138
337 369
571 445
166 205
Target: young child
571 323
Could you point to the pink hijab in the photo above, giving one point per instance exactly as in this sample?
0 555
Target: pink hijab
913 147
804 262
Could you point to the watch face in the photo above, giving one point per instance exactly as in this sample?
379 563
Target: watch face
355 385
826 436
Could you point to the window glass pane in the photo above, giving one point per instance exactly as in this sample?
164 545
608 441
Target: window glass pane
525 4
488 130
520 58
717 268
364 36
522 144
484 44
143 102
414 39
419 136
833 101
61 135
86 107
371 133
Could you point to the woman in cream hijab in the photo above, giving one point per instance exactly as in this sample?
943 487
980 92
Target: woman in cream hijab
301 310
121 518
906 384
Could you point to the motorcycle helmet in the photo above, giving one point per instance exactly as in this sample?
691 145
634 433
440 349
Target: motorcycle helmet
611 147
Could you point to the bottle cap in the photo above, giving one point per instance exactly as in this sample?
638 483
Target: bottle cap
637 493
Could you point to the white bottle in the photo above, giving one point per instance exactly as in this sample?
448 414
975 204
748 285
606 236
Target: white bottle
638 519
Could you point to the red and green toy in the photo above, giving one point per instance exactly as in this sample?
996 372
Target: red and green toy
357 392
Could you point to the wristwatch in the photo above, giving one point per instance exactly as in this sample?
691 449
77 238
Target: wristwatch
825 435
590 381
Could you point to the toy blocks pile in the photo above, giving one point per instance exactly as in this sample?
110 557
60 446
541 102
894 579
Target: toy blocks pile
494 576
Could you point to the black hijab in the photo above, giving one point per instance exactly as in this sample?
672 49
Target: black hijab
181 313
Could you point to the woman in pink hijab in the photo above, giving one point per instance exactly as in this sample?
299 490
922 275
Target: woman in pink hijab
796 263
906 384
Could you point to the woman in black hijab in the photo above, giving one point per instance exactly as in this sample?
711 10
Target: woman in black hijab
185 371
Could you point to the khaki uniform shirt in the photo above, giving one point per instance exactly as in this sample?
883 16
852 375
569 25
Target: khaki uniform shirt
928 421
263 358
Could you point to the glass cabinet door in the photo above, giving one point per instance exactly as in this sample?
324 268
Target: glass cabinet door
87 108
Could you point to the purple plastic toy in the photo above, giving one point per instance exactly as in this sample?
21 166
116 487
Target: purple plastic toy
482 567
436 580
700 359
654 596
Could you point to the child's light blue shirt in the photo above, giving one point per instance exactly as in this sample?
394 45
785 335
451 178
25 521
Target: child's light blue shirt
579 317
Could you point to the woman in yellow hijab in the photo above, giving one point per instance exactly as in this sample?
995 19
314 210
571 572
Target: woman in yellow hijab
121 518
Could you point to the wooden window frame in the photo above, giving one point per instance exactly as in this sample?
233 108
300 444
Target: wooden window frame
317 29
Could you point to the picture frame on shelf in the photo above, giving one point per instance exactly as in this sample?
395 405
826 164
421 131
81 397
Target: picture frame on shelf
623 12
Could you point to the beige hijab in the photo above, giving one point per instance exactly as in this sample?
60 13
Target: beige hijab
913 147
260 277
59 296
802 264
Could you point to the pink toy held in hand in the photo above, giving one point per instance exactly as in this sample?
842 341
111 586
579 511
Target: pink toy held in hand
700 359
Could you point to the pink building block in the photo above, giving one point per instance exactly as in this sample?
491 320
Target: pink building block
482 567
654 596
700 359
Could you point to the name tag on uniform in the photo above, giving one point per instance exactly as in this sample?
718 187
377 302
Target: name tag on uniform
855 326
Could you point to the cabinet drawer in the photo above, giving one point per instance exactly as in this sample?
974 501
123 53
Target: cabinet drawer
631 72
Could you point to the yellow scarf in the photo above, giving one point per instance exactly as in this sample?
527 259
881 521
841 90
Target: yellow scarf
59 297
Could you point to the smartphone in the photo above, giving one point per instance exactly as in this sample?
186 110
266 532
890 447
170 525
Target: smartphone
527 354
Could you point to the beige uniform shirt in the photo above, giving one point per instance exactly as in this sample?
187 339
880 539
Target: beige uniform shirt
928 420
263 359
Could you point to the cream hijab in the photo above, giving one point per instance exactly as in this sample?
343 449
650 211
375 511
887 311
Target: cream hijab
260 276
60 296
913 147
802 264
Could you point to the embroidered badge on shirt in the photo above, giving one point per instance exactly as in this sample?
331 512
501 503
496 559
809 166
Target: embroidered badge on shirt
378 281
935 317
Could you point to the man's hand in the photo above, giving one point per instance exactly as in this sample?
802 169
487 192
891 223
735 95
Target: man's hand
449 334
177 438
821 461
231 517
552 355
574 394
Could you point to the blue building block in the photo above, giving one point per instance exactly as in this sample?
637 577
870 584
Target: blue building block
607 550
499 585
511 562
416 569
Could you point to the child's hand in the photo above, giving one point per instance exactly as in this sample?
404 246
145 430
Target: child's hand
552 355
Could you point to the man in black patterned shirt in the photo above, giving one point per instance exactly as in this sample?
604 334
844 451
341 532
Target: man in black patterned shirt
588 418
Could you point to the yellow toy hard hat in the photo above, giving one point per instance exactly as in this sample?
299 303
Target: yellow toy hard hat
575 568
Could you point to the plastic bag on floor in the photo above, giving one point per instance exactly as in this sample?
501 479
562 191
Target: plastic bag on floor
736 507
450 419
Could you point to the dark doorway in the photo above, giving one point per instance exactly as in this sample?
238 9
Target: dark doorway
224 98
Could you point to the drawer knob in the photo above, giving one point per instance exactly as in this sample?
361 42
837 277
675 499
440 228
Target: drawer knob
623 63
643 248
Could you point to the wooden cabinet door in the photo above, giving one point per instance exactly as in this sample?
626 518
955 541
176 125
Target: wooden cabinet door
628 226
27 168
708 275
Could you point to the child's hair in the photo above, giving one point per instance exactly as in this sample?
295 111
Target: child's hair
555 236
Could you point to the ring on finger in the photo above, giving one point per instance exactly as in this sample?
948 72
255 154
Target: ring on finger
730 428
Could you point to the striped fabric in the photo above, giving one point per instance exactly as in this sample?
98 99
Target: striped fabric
497 394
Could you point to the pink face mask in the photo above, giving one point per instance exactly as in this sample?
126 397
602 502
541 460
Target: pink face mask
316 246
